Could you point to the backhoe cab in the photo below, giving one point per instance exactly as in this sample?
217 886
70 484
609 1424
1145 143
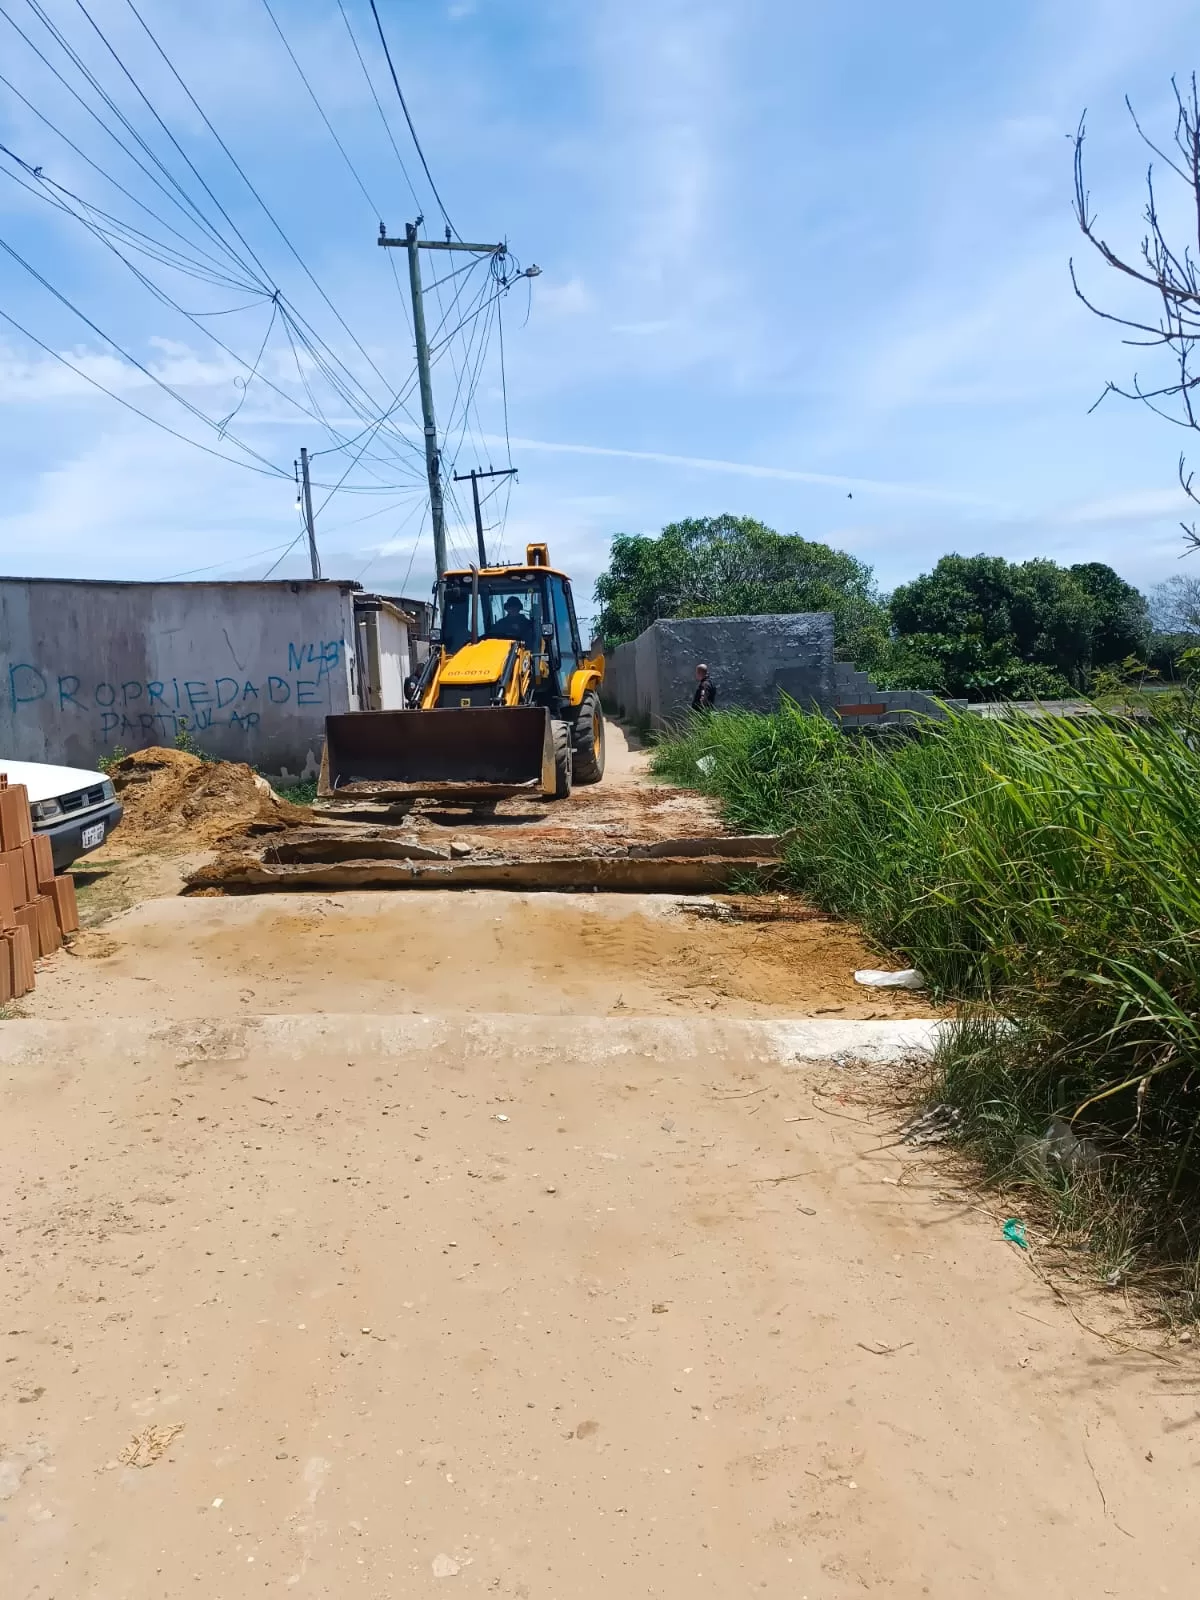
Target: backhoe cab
508 702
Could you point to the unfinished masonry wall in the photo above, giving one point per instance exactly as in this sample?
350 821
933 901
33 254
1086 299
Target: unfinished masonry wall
751 659
860 704
251 669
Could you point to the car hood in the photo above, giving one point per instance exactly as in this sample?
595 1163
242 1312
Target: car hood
47 783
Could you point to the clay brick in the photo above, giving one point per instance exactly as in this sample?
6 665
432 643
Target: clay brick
19 951
31 875
27 918
43 855
15 862
16 825
7 992
8 908
49 934
65 907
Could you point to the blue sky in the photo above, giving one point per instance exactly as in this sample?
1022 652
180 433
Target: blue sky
800 261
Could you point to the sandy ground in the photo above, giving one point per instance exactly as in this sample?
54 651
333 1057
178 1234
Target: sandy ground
501 1257
474 951
540 1322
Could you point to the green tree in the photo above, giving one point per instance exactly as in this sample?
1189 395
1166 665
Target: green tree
1123 620
729 566
991 627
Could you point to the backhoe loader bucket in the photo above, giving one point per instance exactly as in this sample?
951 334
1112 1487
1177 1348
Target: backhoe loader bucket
473 753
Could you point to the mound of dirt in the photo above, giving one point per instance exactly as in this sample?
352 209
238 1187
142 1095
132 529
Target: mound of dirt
176 801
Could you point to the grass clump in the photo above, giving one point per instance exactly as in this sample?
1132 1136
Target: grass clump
1043 868
301 793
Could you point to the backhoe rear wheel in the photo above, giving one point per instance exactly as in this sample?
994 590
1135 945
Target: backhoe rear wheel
562 760
588 740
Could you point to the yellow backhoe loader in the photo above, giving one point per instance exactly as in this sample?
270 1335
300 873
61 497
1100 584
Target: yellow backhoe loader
508 702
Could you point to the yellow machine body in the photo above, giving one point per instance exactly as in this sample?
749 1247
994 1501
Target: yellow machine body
491 714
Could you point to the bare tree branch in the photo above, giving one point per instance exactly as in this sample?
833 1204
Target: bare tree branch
1170 272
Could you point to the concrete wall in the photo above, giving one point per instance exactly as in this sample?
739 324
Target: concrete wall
251 668
394 661
751 660
859 704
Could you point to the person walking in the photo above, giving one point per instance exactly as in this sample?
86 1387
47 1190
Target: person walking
705 697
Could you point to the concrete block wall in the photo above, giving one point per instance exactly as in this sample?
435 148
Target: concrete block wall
620 693
251 669
751 660
898 706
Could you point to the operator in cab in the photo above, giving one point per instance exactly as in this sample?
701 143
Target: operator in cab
514 624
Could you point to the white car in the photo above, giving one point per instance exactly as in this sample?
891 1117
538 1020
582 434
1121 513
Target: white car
75 809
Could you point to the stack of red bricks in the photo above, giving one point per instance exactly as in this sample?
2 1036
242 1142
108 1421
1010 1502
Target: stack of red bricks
36 908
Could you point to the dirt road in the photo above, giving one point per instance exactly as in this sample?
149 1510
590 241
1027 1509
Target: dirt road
531 1273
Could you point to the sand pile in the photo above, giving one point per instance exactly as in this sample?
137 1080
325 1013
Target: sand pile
176 800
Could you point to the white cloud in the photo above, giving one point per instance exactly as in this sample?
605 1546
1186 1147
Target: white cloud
36 379
129 504
747 469
570 299
1141 505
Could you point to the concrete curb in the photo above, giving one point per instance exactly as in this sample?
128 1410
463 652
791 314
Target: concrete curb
468 1038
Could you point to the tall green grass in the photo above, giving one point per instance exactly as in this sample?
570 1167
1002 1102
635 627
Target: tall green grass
1047 870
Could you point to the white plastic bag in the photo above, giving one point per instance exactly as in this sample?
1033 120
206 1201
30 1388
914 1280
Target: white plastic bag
910 978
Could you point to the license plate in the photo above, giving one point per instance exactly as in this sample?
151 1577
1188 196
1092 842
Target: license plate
92 836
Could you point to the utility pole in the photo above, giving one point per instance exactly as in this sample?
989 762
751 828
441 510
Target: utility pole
475 474
433 461
306 488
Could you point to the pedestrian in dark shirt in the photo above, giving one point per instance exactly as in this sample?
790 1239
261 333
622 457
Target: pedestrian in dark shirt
705 696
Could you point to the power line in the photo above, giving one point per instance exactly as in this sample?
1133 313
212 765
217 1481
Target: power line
252 367
409 120
461 373
470 317
379 107
140 242
370 435
396 532
144 243
303 534
310 333
326 365
503 380
507 441
73 56
184 203
77 60
246 382
320 108
382 511
483 330
269 471
108 177
217 565
261 202
133 361
412 555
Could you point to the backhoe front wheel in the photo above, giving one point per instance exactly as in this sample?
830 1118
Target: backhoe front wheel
562 760
588 740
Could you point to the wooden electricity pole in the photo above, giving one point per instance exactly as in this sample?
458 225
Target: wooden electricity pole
310 525
433 462
475 474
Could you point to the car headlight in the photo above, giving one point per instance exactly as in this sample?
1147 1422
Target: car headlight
45 810
109 790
